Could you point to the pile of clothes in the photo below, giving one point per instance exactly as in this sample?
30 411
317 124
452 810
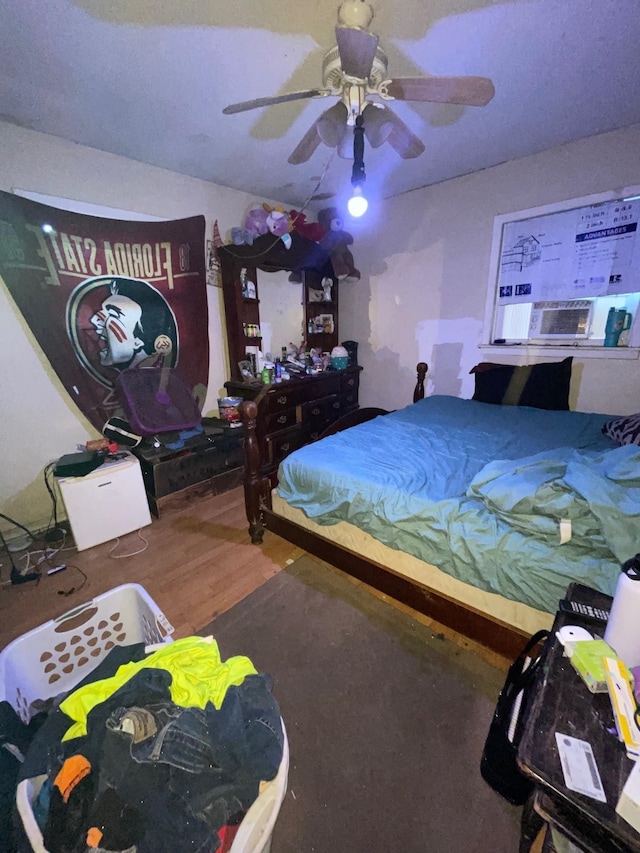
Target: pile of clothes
152 753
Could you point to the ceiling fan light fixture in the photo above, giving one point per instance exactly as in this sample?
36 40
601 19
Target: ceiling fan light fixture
332 125
358 204
355 13
377 124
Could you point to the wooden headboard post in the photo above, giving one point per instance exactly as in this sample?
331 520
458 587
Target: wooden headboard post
257 491
418 393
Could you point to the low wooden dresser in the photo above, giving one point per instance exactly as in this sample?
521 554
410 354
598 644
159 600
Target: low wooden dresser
206 464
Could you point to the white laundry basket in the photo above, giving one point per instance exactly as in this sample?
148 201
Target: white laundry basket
53 658
56 656
254 835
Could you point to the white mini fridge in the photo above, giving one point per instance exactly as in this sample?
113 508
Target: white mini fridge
109 502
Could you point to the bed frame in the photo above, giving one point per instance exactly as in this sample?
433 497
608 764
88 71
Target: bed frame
493 634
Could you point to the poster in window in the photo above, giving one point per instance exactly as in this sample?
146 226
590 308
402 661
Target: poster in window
571 254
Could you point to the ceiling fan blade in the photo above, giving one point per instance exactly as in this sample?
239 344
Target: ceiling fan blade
357 50
332 124
468 91
243 106
377 125
307 145
403 140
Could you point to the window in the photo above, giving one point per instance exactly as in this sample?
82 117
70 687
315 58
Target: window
560 274
513 322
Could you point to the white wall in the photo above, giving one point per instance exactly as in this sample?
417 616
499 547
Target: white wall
40 423
425 269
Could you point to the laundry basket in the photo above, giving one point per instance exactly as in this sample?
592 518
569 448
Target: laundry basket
254 833
56 656
53 658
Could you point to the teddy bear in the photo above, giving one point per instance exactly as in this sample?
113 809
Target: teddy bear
312 230
336 244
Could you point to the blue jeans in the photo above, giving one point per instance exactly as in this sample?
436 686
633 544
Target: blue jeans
191 771
179 736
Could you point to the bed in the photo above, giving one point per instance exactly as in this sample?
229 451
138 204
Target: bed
476 513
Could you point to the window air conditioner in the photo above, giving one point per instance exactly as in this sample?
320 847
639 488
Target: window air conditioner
571 319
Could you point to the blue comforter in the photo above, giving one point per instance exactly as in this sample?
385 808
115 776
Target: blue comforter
486 493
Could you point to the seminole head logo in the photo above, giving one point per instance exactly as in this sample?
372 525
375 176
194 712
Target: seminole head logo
116 323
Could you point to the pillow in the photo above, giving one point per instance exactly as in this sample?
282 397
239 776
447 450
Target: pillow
625 430
543 386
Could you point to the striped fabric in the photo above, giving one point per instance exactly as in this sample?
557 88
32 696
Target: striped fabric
625 430
118 430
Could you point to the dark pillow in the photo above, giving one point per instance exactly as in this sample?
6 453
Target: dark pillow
625 430
543 386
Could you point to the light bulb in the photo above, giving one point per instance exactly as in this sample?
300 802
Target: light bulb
357 204
355 13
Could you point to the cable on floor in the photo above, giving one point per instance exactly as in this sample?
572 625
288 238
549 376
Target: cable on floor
74 588
133 553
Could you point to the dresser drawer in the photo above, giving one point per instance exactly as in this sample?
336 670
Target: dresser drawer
350 399
349 383
176 474
286 396
280 400
281 444
279 420
317 414
329 411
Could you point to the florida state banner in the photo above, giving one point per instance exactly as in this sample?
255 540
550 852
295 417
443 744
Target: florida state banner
105 295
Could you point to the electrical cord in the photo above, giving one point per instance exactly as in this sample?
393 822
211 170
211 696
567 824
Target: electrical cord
229 247
133 553
34 558
52 494
73 589
54 500
16 577
16 524
47 555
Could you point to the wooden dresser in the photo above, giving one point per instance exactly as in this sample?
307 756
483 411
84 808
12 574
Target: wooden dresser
295 412
207 464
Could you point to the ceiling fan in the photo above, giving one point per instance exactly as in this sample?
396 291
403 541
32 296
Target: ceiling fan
355 71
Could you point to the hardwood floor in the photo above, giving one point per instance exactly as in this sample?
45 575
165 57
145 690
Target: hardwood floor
198 563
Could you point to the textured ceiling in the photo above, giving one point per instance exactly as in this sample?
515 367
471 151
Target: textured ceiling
148 79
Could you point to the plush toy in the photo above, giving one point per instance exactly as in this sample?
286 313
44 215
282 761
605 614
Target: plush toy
278 223
336 244
311 230
255 224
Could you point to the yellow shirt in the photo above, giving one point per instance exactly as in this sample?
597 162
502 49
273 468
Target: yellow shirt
198 676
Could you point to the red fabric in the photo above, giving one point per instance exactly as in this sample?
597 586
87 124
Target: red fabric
226 836
61 268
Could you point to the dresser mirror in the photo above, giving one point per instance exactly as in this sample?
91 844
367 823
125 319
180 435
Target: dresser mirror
264 311
281 312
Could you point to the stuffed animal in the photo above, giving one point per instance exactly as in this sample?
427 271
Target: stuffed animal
279 224
255 224
311 230
336 244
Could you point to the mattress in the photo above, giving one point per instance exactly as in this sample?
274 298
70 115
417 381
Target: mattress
512 613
